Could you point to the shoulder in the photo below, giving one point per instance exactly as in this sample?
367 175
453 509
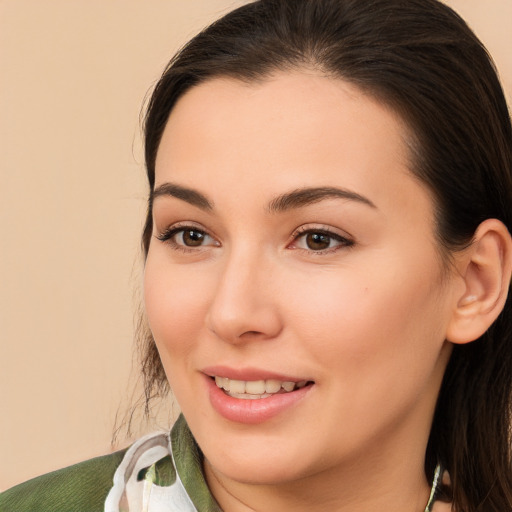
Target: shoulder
80 487
161 471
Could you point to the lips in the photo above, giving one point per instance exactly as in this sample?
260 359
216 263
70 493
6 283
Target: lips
250 374
253 396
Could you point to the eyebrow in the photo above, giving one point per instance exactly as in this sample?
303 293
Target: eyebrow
295 199
306 196
188 195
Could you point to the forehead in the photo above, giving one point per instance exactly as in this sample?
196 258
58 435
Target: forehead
293 130
293 100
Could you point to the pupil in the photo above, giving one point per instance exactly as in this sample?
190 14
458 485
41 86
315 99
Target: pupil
318 241
193 238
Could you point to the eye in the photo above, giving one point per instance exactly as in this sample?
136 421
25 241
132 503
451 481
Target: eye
186 237
319 240
190 237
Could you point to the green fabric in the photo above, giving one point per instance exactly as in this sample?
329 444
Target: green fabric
189 459
164 474
85 486
79 488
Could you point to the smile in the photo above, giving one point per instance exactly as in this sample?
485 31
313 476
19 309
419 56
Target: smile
263 396
256 389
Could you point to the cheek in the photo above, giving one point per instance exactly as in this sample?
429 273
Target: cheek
374 341
360 316
175 303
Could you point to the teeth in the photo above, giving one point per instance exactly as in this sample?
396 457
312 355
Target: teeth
288 386
237 386
222 382
272 386
256 388
248 396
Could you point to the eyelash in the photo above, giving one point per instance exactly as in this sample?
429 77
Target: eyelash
304 231
167 236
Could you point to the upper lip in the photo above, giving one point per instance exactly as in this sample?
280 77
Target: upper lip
249 374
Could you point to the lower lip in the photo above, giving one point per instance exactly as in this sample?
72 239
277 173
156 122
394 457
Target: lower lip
252 411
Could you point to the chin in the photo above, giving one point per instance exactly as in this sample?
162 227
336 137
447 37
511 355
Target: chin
261 460
257 471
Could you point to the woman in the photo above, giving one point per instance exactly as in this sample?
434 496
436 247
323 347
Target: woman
328 258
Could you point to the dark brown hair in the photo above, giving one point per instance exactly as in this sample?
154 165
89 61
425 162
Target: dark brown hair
420 58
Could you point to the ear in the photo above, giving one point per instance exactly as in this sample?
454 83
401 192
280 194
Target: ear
485 268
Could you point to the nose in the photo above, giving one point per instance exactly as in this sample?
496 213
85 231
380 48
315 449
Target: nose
245 304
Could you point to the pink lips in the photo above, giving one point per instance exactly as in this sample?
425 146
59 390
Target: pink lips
248 411
248 374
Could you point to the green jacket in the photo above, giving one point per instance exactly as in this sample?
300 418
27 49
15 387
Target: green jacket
160 472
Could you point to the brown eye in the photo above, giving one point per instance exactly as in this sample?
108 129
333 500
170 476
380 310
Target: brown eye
187 237
318 241
191 237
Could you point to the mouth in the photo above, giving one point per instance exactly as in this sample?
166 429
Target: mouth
257 389
254 395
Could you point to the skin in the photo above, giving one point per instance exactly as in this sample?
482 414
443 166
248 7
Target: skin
366 319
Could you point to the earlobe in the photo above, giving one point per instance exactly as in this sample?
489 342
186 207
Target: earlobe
485 268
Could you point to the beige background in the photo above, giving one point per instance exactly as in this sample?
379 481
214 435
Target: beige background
73 76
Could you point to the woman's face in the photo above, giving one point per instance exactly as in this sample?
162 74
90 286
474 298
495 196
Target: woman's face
294 250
